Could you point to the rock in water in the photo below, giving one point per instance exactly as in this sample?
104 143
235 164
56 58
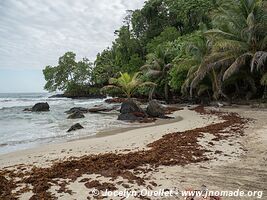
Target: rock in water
75 127
75 109
154 109
40 107
76 115
97 109
130 106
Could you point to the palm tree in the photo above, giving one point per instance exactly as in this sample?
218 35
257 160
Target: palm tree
239 40
127 83
157 68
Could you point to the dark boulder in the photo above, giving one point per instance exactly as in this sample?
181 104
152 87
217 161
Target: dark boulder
129 117
40 107
76 115
130 106
75 127
154 109
77 109
130 111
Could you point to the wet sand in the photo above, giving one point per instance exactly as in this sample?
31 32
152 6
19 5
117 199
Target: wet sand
234 162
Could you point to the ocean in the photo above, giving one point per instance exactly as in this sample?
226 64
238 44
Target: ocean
22 130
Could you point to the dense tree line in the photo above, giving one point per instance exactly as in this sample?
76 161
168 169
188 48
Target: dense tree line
190 48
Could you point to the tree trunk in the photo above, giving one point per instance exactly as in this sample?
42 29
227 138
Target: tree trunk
166 91
151 93
264 96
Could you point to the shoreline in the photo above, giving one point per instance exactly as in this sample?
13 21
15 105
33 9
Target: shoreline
103 133
109 138
234 156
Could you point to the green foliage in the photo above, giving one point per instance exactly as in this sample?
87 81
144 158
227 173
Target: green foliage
188 47
190 50
167 35
187 15
77 90
237 41
104 68
67 72
127 83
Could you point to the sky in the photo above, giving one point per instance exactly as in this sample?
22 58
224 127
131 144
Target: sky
35 33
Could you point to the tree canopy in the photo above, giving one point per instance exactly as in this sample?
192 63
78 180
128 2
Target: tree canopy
67 72
188 48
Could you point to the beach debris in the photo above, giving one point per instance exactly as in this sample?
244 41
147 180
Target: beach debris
178 148
95 184
154 109
39 107
75 109
75 127
6 188
76 115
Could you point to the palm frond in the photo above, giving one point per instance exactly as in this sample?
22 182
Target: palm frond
205 68
237 64
145 67
220 33
258 61
153 73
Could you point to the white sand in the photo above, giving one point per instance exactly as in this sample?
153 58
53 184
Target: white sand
132 140
243 167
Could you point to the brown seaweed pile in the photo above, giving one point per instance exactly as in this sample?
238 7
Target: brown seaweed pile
179 148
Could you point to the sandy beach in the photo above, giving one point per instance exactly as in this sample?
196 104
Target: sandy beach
236 161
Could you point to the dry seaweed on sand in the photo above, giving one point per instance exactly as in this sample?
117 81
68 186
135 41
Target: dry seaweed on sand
179 148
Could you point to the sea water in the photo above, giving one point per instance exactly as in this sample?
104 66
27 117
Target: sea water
21 130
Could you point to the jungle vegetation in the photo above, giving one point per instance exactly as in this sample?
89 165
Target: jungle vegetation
215 49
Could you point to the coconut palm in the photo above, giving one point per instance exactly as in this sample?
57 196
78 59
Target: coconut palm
157 68
238 41
127 83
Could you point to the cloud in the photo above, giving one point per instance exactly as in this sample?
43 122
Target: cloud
34 33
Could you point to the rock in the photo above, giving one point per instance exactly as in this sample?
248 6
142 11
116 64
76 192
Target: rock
75 127
115 100
129 117
76 115
154 109
57 96
100 109
77 109
40 107
27 110
130 111
130 106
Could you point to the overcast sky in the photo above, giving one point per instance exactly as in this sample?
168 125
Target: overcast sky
34 33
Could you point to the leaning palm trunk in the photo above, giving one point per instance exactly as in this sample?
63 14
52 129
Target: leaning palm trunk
151 93
166 91
264 96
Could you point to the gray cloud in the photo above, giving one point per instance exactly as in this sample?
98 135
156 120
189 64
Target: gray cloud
34 33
